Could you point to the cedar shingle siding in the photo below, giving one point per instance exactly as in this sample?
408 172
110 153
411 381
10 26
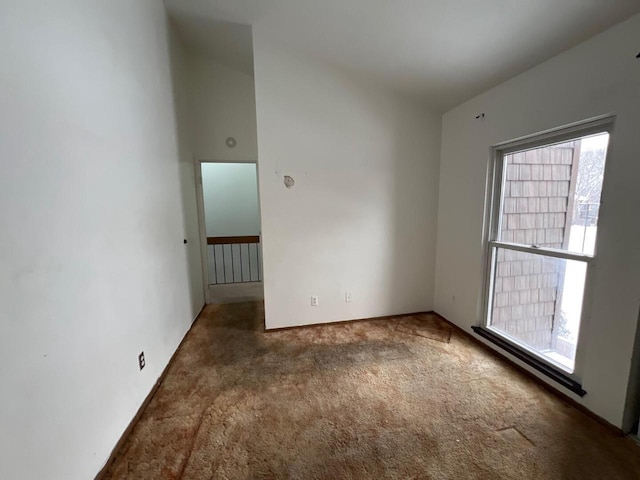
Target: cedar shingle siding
536 201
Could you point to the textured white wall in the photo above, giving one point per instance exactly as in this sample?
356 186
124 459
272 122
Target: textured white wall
230 192
598 77
184 128
93 268
361 216
223 105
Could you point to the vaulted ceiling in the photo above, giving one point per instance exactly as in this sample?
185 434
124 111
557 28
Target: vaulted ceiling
443 51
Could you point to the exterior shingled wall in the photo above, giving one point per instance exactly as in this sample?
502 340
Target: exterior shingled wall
536 201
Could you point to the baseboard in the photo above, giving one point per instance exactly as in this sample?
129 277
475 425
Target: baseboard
550 388
341 322
136 418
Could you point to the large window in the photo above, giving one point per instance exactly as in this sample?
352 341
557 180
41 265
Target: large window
545 202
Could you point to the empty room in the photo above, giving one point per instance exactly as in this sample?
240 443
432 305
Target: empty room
339 239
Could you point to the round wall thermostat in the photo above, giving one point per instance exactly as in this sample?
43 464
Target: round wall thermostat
231 142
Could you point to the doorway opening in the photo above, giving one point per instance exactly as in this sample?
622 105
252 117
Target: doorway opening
230 231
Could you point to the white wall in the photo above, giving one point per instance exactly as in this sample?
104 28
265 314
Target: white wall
362 214
222 105
230 193
184 127
598 77
93 268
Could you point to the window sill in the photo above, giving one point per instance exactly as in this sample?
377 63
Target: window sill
531 360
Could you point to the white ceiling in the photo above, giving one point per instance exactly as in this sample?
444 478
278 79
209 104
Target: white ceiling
445 51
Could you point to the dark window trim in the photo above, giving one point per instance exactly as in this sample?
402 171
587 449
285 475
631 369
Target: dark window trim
531 360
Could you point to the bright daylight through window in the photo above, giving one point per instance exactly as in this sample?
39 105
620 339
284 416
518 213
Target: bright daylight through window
542 242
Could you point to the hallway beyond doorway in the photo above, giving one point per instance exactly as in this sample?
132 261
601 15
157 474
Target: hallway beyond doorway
229 220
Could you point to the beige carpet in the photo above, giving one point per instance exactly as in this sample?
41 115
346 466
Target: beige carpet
401 398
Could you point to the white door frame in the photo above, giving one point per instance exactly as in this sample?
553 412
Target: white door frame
202 227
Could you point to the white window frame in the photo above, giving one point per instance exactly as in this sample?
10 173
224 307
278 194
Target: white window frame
495 187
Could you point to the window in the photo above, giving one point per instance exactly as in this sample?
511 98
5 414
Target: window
545 202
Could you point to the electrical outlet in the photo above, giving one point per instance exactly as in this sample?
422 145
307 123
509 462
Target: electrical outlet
347 297
314 301
141 362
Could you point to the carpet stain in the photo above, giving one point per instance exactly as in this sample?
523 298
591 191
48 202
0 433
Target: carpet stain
399 398
425 325
513 436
